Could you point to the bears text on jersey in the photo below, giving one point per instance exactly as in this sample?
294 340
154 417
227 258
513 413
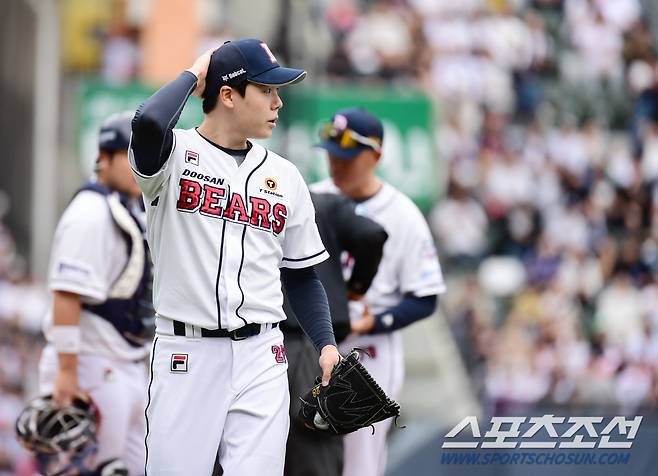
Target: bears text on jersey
207 200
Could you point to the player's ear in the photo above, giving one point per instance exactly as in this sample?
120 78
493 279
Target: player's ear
226 96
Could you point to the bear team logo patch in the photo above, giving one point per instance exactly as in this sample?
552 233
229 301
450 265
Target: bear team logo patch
178 363
270 183
191 157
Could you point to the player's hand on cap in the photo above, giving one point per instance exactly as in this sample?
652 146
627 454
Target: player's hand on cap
329 358
365 323
67 388
200 69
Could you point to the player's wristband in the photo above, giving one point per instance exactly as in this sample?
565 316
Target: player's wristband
65 339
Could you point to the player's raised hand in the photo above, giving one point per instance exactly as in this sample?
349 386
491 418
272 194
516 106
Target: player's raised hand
329 357
200 69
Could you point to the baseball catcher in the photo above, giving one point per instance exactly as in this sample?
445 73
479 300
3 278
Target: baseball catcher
352 400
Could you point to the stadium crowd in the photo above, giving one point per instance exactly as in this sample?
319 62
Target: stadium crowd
548 230
23 303
549 225
547 135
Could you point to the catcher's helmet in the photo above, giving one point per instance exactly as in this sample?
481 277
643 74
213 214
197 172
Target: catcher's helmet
115 132
61 438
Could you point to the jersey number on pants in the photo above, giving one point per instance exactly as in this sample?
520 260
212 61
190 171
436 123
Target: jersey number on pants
279 352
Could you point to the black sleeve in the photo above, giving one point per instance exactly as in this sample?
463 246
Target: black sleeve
409 310
308 300
363 239
152 126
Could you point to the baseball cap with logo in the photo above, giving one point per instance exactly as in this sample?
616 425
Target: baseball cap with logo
350 132
115 132
251 60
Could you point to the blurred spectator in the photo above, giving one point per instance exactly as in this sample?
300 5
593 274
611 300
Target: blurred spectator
22 303
508 183
537 58
567 148
455 143
637 43
341 16
649 154
598 43
121 54
566 228
618 316
621 14
381 42
460 225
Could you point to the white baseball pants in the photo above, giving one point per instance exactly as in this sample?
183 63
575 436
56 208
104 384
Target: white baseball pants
118 388
365 453
210 394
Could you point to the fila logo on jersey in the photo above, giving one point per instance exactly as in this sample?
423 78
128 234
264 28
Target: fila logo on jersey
206 199
178 363
192 157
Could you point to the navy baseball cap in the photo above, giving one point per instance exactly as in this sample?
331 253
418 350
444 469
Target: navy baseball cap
115 132
350 132
251 60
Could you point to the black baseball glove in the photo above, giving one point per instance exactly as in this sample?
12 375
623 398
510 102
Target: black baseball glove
351 401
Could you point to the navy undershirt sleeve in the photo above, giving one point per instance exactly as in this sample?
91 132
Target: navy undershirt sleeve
308 300
152 126
408 311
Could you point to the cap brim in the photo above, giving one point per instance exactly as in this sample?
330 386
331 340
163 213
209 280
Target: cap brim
337 151
279 77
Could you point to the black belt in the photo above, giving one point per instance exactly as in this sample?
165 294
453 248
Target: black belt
240 333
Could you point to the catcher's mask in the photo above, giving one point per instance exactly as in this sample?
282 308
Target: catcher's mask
62 439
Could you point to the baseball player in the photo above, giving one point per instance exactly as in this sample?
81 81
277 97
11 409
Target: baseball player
99 276
310 452
228 221
408 281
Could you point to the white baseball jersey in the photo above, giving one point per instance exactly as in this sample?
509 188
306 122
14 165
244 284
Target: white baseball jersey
219 233
409 263
88 256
